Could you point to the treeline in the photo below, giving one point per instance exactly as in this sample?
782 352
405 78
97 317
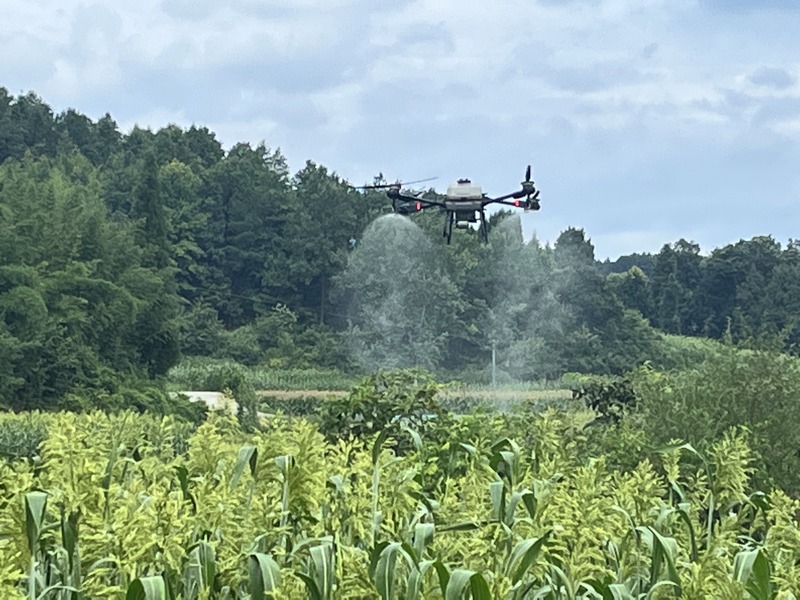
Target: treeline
119 253
750 289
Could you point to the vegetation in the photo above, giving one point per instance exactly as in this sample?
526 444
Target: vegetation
206 374
120 253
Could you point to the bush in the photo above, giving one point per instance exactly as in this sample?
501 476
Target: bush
298 406
135 395
682 352
610 398
756 389
198 373
387 400
21 437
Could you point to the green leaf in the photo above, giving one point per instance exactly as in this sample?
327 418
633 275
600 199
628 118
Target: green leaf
751 567
663 551
558 579
523 556
35 506
374 557
466 526
285 464
651 594
415 437
264 576
683 513
497 489
529 501
69 536
183 479
311 586
385 571
443 574
248 455
147 588
378 445
462 580
414 588
620 591
469 448
46 592
205 557
322 557
423 536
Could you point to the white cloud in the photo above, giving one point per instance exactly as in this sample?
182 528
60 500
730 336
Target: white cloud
635 113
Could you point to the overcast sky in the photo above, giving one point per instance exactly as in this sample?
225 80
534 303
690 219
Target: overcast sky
645 120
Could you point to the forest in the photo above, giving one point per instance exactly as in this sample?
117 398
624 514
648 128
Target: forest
121 253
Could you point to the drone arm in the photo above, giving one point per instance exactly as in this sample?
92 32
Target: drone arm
502 199
398 196
517 199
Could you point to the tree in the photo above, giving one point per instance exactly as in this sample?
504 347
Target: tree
668 294
399 301
148 213
79 310
251 241
330 217
573 250
633 289
26 123
724 271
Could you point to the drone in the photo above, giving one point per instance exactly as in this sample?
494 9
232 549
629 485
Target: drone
464 204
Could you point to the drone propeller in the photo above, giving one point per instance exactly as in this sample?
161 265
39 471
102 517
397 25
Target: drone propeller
529 192
396 184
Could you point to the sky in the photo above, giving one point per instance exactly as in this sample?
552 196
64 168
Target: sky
646 121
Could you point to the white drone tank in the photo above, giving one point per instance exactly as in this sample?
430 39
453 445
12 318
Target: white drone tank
464 189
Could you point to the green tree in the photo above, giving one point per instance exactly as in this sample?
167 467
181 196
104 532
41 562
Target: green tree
724 271
80 309
251 242
633 289
148 213
330 218
398 298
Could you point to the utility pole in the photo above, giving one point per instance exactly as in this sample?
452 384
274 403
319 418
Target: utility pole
494 364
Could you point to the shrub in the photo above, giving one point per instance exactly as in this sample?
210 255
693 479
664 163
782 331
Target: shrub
298 406
135 395
756 389
387 400
610 398
21 437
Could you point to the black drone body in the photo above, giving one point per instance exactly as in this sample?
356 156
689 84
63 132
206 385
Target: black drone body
464 204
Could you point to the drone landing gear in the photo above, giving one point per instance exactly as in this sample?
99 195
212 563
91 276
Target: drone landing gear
452 220
484 228
449 220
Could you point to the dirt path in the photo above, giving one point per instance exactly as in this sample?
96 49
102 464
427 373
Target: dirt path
289 394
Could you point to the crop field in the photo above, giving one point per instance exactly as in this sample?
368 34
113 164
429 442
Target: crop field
459 400
487 506
206 374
